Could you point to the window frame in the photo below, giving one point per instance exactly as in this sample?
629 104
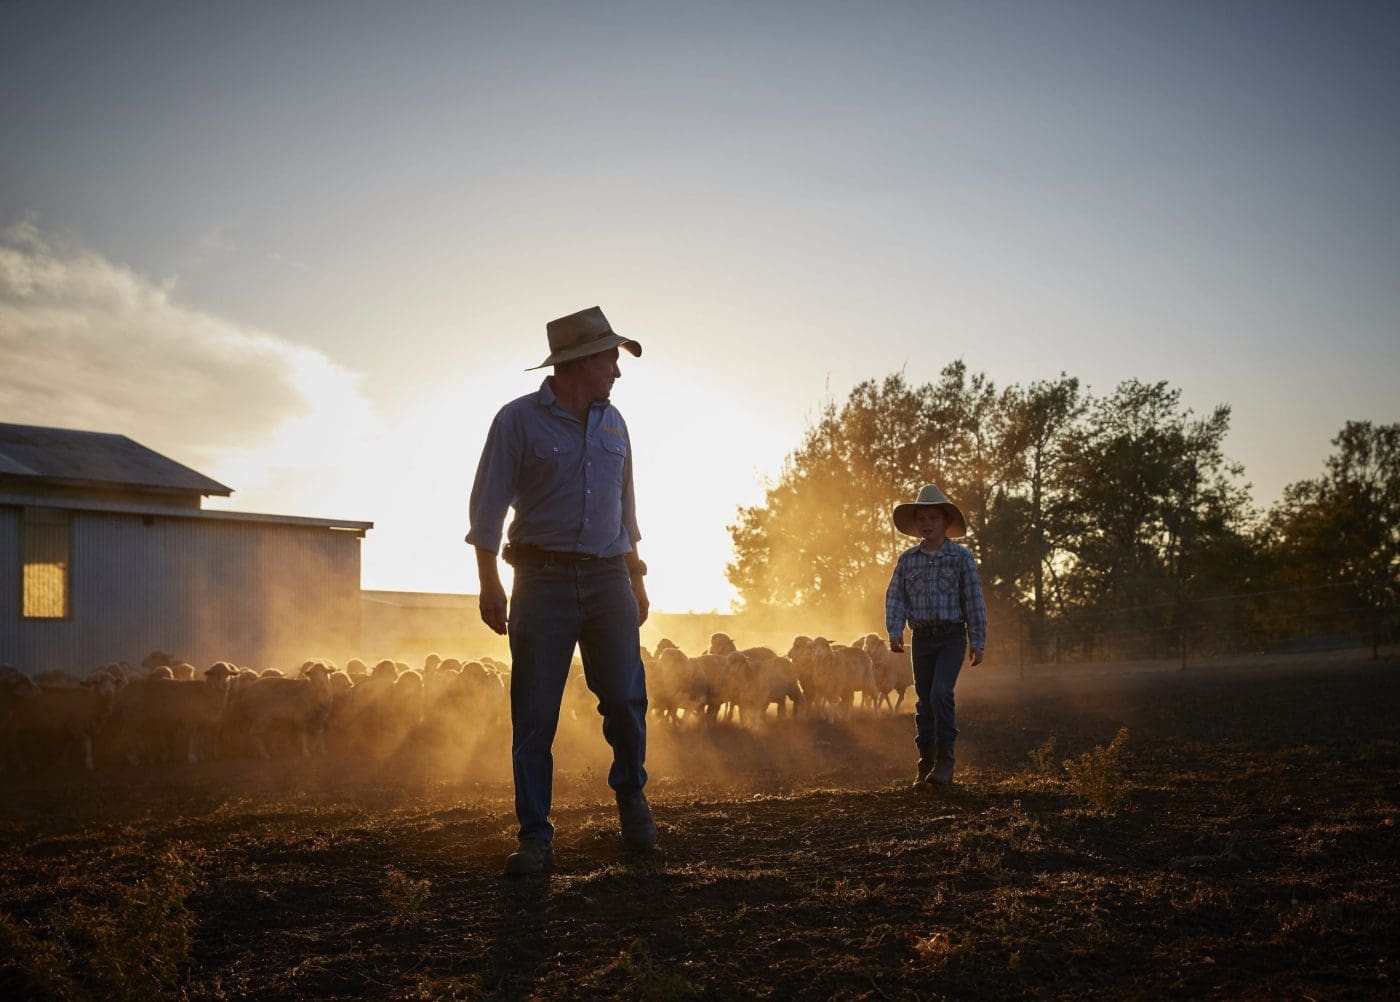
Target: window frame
52 520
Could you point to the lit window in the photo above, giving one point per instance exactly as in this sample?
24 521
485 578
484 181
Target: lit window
45 541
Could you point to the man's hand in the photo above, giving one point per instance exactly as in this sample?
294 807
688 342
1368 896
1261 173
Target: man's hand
976 657
639 589
896 646
493 594
493 606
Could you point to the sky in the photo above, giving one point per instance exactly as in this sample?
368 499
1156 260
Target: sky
310 249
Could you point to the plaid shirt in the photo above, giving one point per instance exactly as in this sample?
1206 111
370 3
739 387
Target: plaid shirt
936 587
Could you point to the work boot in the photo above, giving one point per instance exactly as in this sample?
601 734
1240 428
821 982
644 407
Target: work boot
638 829
533 856
926 760
942 774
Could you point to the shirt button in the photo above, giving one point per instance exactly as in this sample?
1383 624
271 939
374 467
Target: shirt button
588 492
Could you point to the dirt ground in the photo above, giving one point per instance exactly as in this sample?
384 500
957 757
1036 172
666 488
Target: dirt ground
1239 841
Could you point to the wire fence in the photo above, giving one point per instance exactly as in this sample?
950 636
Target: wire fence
1288 620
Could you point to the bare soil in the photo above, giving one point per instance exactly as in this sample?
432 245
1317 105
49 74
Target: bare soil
1253 853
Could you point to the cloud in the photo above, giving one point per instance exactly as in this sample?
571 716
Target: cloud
89 343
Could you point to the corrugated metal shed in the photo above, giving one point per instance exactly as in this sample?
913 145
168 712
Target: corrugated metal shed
94 459
106 554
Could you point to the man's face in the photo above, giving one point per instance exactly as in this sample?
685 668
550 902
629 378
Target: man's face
598 373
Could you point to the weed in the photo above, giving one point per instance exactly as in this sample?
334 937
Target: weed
1097 775
1043 757
404 895
1307 918
937 949
649 980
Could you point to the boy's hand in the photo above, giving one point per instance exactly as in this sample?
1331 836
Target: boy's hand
976 658
896 646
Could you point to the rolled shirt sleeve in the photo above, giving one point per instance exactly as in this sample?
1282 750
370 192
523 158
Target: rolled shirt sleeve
497 472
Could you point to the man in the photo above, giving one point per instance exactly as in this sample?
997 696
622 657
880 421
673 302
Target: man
562 458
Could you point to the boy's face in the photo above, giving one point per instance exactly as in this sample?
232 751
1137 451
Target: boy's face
931 524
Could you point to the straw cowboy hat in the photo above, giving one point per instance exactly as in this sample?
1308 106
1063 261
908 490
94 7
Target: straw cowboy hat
929 496
586 332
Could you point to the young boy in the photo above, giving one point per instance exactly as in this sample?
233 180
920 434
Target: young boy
935 589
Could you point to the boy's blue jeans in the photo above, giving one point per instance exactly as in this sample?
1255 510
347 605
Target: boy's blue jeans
937 660
553 607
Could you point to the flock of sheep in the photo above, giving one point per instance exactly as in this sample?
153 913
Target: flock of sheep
161 712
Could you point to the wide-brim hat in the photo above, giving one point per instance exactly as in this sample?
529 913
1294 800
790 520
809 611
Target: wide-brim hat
929 497
581 334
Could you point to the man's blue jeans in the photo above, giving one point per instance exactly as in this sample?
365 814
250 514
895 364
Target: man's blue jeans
553 607
937 660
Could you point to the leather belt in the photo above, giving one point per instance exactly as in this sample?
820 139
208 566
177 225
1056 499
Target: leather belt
517 554
939 625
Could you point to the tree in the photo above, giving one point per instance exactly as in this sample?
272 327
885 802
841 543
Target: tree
1144 484
1343 528
822 537
1033 433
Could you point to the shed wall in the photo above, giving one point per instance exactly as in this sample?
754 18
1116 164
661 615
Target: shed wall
258 594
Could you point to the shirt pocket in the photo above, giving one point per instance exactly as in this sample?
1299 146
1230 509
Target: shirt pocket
947 576
613 457
548 455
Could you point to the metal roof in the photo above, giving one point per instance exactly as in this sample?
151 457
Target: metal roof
94 459
162 511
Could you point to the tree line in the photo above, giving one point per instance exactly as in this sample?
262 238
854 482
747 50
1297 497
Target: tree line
1104 526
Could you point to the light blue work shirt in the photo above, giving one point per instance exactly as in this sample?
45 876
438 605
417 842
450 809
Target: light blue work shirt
570 485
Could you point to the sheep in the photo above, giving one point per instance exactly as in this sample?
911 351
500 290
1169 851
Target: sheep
405 705
159 659
672 685
487 691
721 644
156 710
304 704
183 671
812 660
162 671
578 697
57 678
852 674
16 689
721 676
366 714
892 671
61 715
769 679
461 707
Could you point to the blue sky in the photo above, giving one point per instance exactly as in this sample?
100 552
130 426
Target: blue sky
309 248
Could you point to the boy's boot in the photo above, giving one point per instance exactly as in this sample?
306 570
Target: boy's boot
942 774
926 763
